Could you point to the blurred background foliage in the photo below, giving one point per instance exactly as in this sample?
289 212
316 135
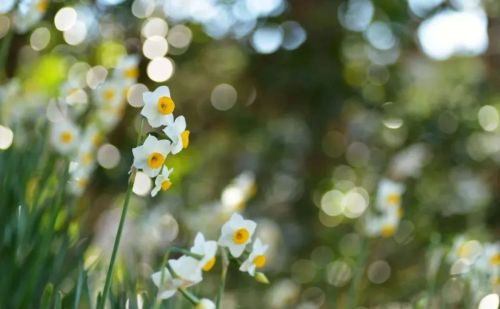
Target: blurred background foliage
287 104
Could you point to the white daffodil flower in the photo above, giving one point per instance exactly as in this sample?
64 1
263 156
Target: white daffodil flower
110 94
29 13
205 303
389 194
150 156
178 134
489 261
236 234
384 225
6 6
186 273
256 259
65 137
158 107
207 249
466 250
127 69
162 181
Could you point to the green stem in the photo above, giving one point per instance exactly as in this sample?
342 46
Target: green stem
4 52
225 265
192 299
359 271
116 244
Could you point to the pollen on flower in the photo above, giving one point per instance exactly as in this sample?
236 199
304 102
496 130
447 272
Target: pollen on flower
185 138
109 94
260 261
132 73
495 260
165 185
388 230
394 199
66 137
241 236
165 105
155 160
209 265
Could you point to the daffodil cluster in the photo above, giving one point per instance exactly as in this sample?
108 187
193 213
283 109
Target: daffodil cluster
80 143
384 220
477 262
235 237
150 157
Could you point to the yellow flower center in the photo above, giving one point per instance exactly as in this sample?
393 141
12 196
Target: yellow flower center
209 265
394 199
495 260
241 236
66 137
87 158
97 139
42 5
108 94
132 73
388 230
165 105
185 139
155 160
165 185
260 261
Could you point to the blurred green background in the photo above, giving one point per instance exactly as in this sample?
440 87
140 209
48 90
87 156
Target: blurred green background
293 99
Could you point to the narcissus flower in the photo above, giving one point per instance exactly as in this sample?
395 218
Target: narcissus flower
151 156
236 234
205 303
186 273
256 259
162 182
158 107
110 94
389 194
64 137
127 69
207 249
29 13
178 134
384 225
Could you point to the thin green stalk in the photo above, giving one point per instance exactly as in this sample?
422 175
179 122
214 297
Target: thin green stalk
79 285
225 265
116 244
4 52
192 299
360 269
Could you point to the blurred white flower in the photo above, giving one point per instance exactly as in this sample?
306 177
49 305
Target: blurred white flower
389 194
178 134
29 13
65 137
256 259
162 181
236 234
151 156
385 224
127 69
158 107
207 249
